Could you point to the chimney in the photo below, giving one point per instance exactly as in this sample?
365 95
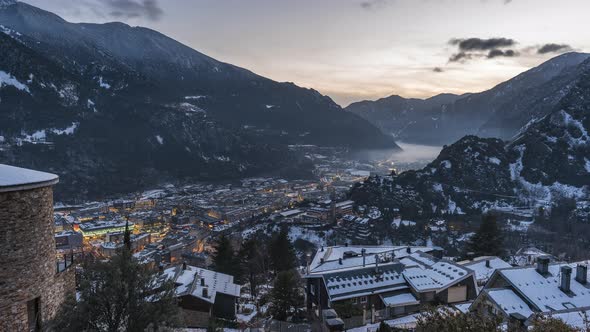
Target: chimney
346 244
377 263
203 282
582 273
488 263
340 261
322 250
543 265
409 250
363 252
183 266
321 261
205 292
566 277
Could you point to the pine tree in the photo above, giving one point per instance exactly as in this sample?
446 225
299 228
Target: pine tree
224 260
127 236
253 264
119 295
285 295
487 241
282 253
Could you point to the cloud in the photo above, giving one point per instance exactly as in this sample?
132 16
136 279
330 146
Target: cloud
437 70
460 57
498 53
552 48
149 9
373 4
470 48
478 44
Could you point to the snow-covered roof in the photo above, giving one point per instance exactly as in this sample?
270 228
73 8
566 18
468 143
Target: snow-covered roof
481 269
353 283
16 178
544 292
425 273
509 302
576 318
401 299
331 256
188 282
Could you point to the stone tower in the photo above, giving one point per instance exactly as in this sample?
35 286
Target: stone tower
32 288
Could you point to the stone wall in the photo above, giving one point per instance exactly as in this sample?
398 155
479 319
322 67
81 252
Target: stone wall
28 258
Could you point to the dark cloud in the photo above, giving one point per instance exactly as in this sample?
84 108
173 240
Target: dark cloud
149 9
437 70
460 57
470 48
552 48
372 4
478 44
499 53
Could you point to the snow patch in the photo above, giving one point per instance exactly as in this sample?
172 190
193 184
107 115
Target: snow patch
103 84
7 79
494 160
160 139
446 164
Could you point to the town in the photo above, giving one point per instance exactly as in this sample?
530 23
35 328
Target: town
352 274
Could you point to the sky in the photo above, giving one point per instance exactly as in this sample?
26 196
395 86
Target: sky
353 50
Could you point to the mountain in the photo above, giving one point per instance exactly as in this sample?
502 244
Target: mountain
499 112
395 113
113 108
549 160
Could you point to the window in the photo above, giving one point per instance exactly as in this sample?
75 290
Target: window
34 314
354 300
363 299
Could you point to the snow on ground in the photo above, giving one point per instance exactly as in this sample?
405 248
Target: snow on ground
194 97
7 79
494 160
103 84
537 190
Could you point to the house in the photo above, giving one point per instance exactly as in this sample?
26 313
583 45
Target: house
548 289
388 281
484 267
203 294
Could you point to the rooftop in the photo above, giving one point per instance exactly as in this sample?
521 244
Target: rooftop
188 282
16 178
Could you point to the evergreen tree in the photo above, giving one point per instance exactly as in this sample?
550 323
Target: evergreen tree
223 259
119 295
285 295
383 327
487 241
127 236
282 253
253 264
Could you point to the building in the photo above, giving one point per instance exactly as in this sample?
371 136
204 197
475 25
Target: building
484 267
101 228
203 294
68 240
33 286
549 289
114 241
387 281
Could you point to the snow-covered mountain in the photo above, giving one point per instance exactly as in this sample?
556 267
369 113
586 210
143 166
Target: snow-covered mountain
112 108
547 161
499 112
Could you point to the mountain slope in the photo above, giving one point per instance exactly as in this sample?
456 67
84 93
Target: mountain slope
234 96
499 112
81 101
547 161
395 113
